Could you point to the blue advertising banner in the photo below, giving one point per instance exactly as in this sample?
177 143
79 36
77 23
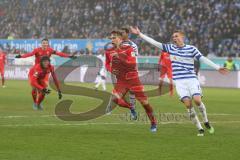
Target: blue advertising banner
58 44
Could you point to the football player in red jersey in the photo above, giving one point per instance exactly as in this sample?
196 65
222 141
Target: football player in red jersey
37 76
44 50
3 61
165 68
121 61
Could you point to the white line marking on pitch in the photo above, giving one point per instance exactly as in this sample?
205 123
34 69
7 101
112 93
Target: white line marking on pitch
102 123
123 114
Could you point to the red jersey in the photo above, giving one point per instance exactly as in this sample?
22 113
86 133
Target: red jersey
123 61
40 52
37 75
164 59
2 59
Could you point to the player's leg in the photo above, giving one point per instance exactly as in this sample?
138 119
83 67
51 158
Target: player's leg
169 75
197 98
132 99
2 75
41 95
40 99
103 83
97 81
185 97
34 97
138 90
161 78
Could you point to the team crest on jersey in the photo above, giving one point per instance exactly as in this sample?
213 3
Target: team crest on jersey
133 54
35 74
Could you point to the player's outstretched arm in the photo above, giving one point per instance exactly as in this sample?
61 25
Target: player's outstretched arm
207 61
26 55
145 37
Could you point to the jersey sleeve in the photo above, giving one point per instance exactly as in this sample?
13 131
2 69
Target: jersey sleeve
61 54
166 47
197 54
29 54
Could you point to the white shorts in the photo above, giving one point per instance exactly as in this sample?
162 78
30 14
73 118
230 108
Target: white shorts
188 88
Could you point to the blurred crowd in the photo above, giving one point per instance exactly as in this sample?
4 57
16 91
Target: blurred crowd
211 25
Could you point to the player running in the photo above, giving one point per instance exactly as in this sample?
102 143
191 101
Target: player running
44 50
165 65
121 61
37 76
126 41
3 61
187 84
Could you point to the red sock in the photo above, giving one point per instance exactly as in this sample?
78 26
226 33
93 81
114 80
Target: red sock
122 103
150 114
34 95
40 98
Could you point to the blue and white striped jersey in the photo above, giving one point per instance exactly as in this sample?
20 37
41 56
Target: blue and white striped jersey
133 45
182 59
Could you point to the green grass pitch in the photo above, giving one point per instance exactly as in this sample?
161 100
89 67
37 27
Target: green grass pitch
37 135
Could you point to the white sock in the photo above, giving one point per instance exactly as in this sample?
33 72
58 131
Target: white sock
203 111
132 100
194 118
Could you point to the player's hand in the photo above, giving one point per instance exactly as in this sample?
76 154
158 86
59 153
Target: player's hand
59 95
135 30
223 71
46 91
18 56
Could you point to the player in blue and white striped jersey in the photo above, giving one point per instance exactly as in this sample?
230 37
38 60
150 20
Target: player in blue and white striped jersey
187 85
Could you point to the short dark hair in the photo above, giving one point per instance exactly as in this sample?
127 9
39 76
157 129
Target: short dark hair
45 58
117 33
125 29
44 39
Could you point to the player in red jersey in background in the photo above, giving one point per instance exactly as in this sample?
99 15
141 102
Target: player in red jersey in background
3 61
37 76
44 50
121 61
165 68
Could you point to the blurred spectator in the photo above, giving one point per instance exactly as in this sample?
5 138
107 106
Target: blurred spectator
229 64
212 25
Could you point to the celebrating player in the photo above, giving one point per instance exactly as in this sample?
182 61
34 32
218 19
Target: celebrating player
44 50
165 70
121 61
3 61
37 76
126 41
187 84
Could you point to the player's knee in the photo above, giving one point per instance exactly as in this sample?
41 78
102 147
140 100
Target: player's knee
187 102
144 102
197 100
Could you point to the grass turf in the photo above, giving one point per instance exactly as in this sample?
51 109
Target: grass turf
28 134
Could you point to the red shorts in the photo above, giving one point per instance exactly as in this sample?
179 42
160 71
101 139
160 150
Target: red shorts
166 71
42 83
133 85
2 70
